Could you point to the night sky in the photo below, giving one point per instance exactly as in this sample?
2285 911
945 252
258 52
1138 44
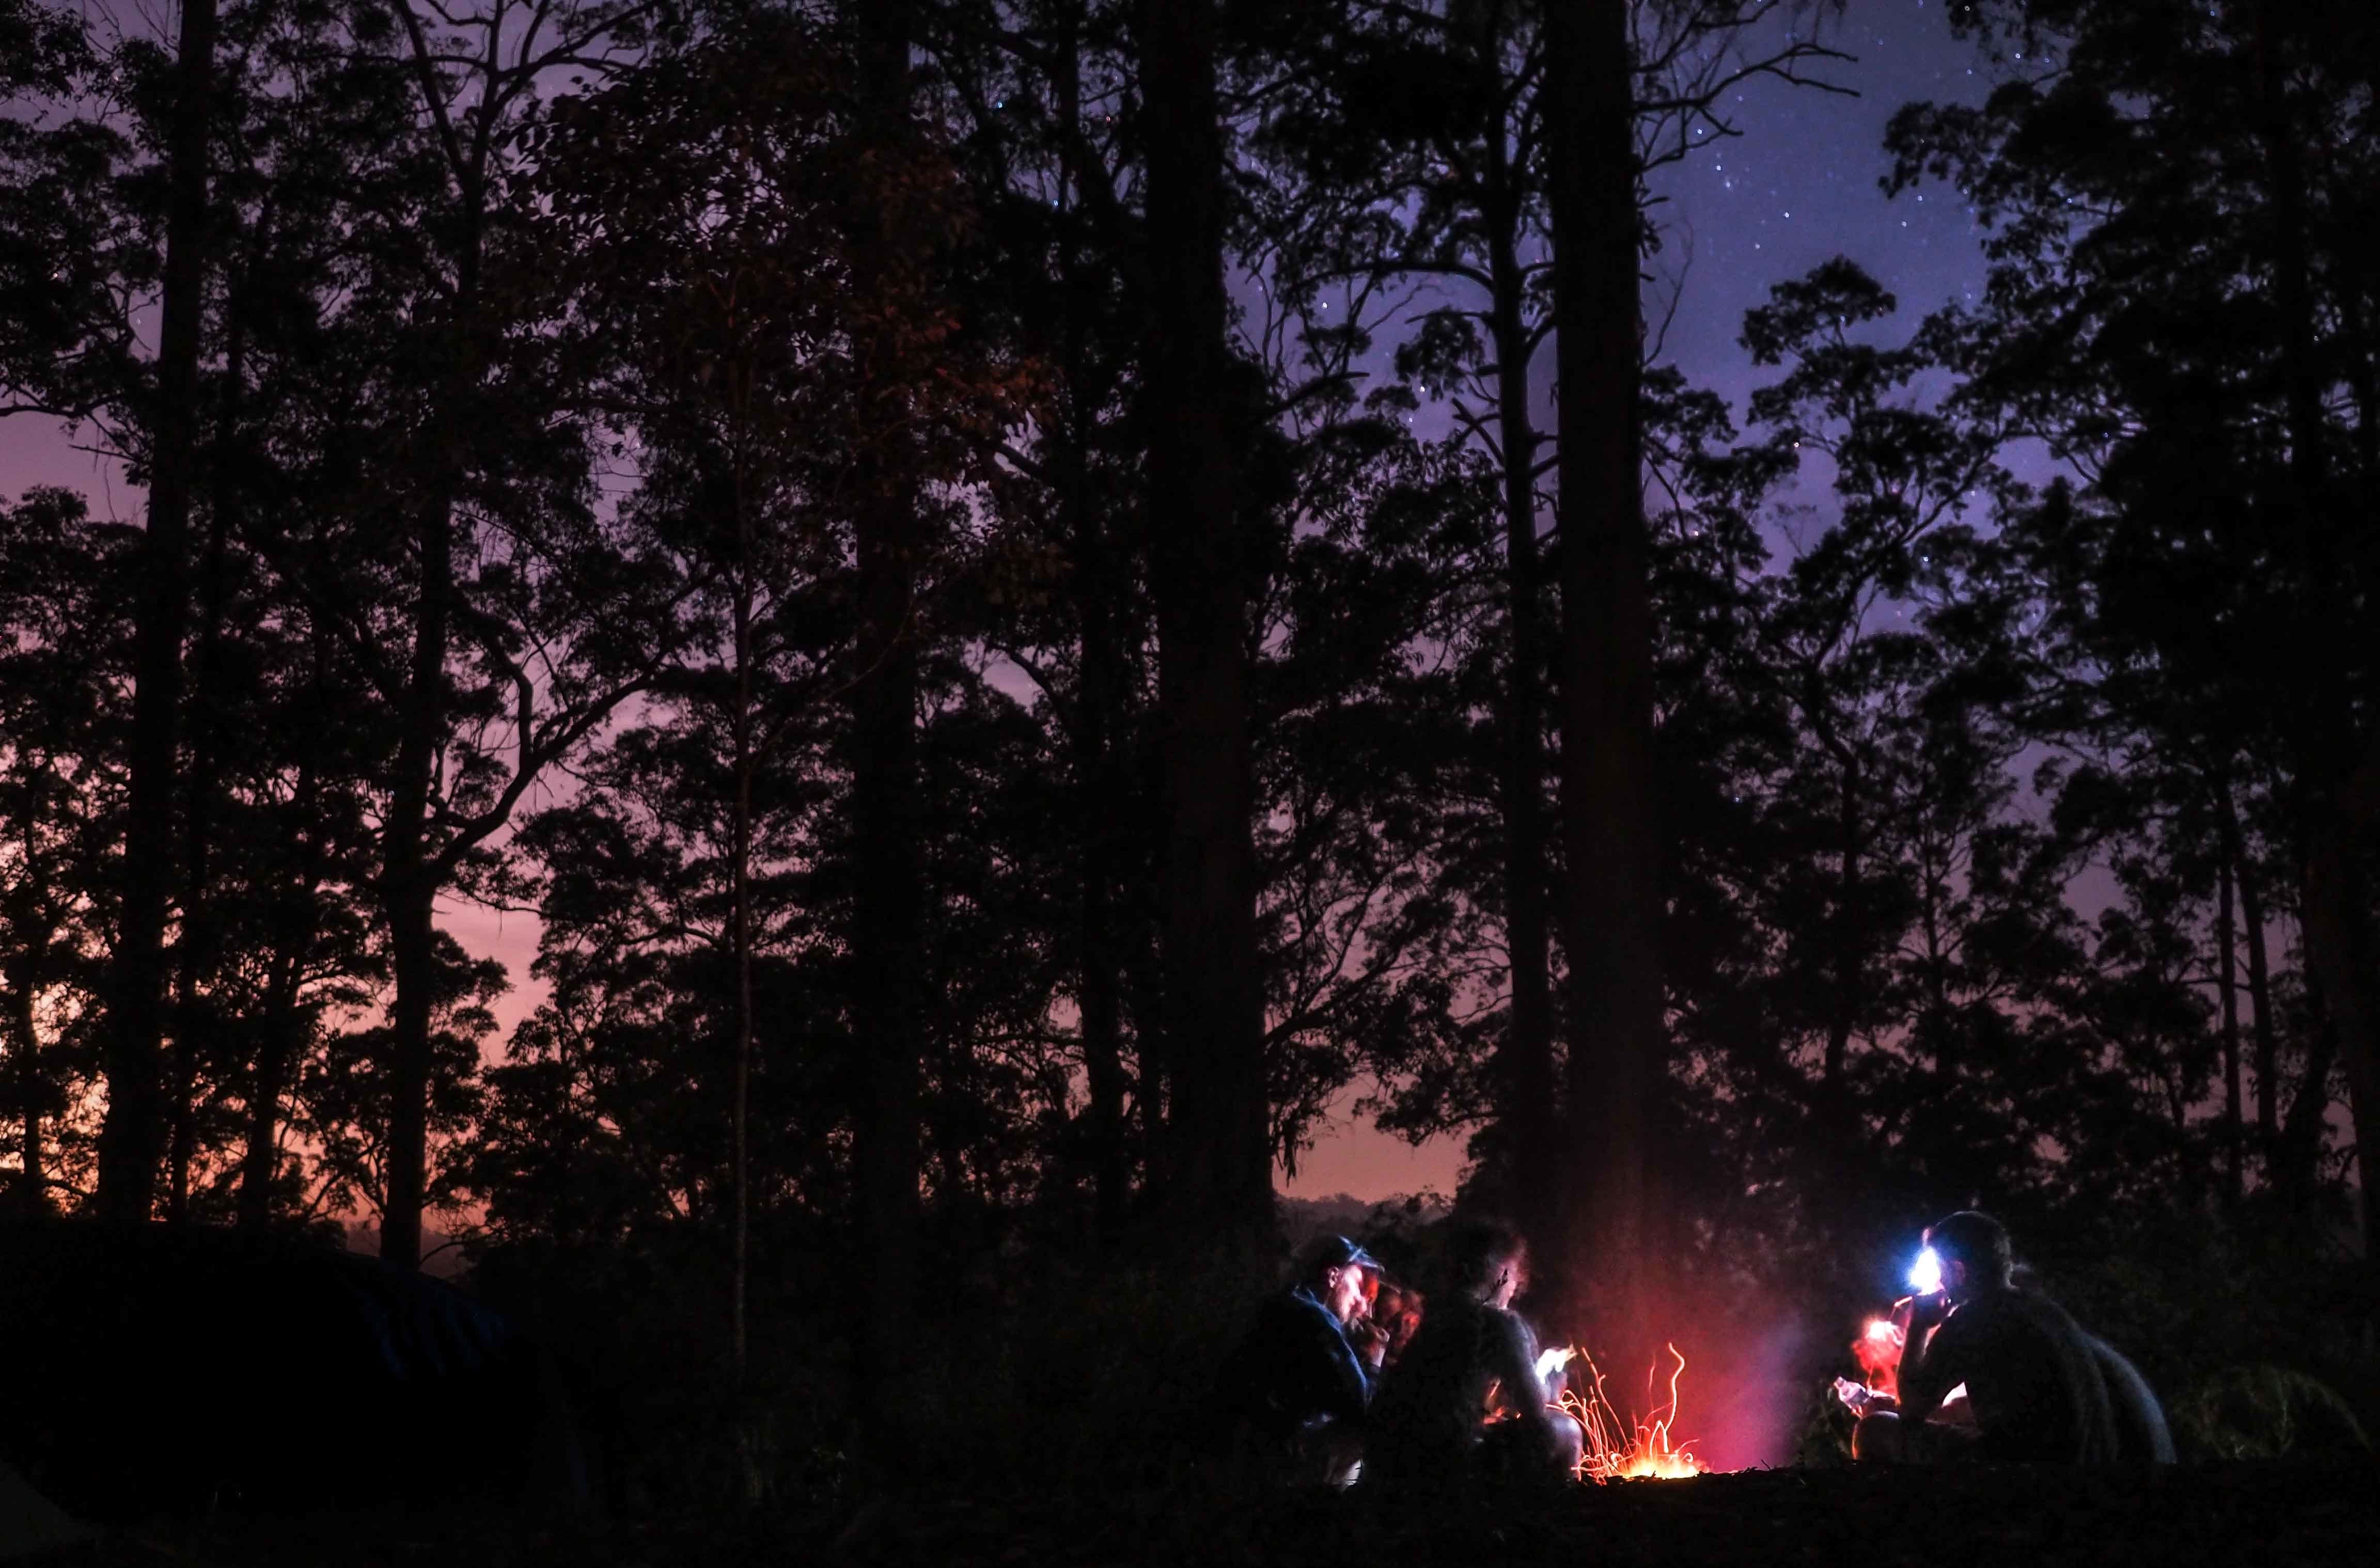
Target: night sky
1796 188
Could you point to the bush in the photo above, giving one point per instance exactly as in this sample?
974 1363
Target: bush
2264 1412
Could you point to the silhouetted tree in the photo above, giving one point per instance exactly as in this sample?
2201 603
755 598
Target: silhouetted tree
2176 311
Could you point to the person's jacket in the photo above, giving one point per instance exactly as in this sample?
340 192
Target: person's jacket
1295 1368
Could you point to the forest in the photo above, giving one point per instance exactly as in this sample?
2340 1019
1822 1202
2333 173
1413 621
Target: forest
1033 594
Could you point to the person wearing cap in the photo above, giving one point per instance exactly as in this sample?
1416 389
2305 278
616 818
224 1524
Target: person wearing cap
1298 1388
2040 1389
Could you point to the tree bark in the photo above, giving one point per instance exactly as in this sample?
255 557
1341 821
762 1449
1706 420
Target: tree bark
1097 787
268 1081
413 947
2339 963
1101 684
411 869
1613 902
2260 986
132 1140
1529 1109
194 1026
2335 912
2227 981
887 946
1217 1165
740 848
1846 958
410 876
32 1194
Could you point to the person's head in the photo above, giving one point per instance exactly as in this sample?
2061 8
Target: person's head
1340 1273
1975 1251
1490 1262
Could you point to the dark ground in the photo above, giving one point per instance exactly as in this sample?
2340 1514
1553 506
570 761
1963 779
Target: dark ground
2280 1513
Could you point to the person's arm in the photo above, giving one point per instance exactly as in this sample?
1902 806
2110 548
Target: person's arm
1513 1359
1931 1368
1350 1392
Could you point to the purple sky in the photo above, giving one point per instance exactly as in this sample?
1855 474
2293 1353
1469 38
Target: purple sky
1798 187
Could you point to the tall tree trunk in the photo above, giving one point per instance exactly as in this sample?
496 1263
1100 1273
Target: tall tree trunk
1098 782
284 1033
194 1026
412 871
1100 991
2340 962
33 1194
887 951
286 1028
1845 961
1098 786
2227 981
2335 914
413 946
132 1138
1528 1111
410 885
1613 907
2260 984
1219 1163
740 848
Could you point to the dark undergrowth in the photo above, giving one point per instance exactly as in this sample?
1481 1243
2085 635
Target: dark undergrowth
1064 1400
2245 1512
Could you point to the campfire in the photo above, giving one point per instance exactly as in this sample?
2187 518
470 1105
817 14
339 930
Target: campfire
1633 1448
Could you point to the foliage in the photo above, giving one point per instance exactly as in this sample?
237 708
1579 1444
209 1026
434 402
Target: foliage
2017 840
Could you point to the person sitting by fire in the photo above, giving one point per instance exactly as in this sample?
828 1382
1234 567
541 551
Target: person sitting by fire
1472 1394
2037 1385
1299 1385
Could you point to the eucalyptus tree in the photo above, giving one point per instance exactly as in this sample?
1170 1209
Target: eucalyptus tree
1215 1168
728 282
1038 93
1412 162
133 1143
2181 310
75 313
65 601
88 176
809 412
1902 474
512 647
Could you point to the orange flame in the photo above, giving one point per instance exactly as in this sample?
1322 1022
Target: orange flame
1646 1451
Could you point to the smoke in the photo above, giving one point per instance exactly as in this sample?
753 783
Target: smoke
1757 1396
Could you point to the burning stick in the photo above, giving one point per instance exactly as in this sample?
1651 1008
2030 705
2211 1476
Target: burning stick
1648 1452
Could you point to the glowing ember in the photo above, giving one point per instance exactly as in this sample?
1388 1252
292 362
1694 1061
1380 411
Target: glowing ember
1925 1274
1629 1450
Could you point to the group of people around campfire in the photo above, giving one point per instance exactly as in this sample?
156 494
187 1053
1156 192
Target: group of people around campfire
1342 1375
1328 1387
